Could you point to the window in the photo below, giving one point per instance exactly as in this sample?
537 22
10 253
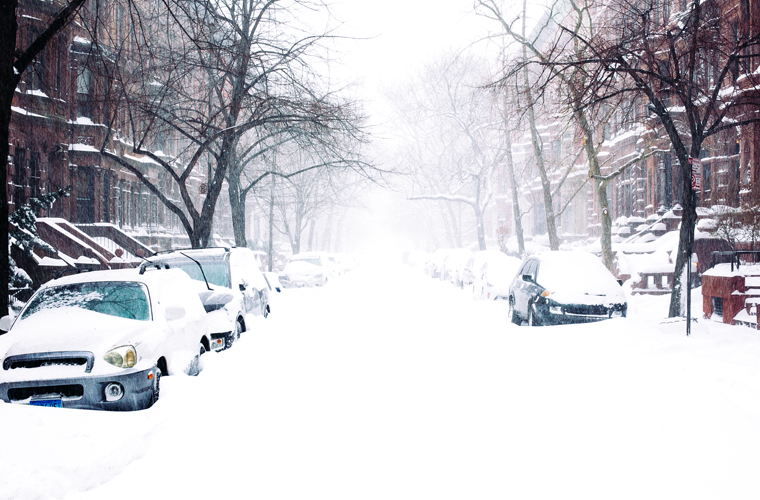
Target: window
121 202
19 177
85 192
107 196
36 70
84 93
34 175
133 207
717 305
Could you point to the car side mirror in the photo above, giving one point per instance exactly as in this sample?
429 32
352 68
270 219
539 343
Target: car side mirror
174 313
527 277
5 323
620 282
243 285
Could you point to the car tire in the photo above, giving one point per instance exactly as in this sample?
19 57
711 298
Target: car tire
156 387
266 311
195 367
513 317
532 318
238 329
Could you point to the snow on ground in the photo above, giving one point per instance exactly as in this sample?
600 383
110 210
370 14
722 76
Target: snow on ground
388 384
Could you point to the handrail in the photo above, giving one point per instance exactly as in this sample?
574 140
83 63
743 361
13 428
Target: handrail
734 255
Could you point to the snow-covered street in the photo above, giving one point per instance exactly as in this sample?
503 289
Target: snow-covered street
388 384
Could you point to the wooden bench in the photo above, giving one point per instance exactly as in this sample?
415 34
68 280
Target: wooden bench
661 283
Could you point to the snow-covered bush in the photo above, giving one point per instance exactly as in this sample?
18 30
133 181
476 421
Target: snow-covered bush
22 233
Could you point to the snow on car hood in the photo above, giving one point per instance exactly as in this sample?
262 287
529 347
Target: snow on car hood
71 329
578 278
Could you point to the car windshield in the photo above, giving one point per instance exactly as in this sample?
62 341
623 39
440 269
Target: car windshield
215 270
115 298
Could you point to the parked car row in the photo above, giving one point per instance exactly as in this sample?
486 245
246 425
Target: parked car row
313 269
104 339
486 274
546 288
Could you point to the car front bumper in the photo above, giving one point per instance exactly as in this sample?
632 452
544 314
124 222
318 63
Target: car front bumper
553 313
222 341
85 392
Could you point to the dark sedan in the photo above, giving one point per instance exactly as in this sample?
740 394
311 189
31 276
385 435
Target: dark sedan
564 287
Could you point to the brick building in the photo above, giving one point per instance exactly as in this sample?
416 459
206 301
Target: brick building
58 129
731 159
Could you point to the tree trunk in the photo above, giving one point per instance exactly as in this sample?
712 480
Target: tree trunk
481 228
8 81
595 171
686 234
515 198
551 224
312 225
237 210
689 217
270 250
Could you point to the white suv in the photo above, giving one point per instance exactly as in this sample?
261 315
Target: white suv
229 283
102 340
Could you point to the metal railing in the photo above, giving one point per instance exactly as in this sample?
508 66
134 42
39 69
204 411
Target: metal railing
734 257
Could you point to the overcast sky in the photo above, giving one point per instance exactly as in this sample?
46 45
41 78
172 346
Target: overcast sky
395 37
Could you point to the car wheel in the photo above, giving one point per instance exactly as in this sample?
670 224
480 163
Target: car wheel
156 386
194 368
266 311
238 329
532 317
513 317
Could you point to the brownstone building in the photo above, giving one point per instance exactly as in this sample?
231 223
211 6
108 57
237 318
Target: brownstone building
60 112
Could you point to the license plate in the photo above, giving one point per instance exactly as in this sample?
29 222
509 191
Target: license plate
55 403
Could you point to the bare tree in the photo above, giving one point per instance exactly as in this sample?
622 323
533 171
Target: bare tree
204 74
463 121
308 194
333 144
552 39
694 67
15 58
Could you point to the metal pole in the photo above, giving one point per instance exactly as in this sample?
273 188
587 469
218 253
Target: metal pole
688 282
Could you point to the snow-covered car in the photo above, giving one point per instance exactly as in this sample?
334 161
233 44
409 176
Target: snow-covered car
301 272
434 267
273 281
319 259
455 264
564 287
474 263
228 281
102 340
494 276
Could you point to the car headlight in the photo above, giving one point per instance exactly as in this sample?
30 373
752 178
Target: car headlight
123 357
